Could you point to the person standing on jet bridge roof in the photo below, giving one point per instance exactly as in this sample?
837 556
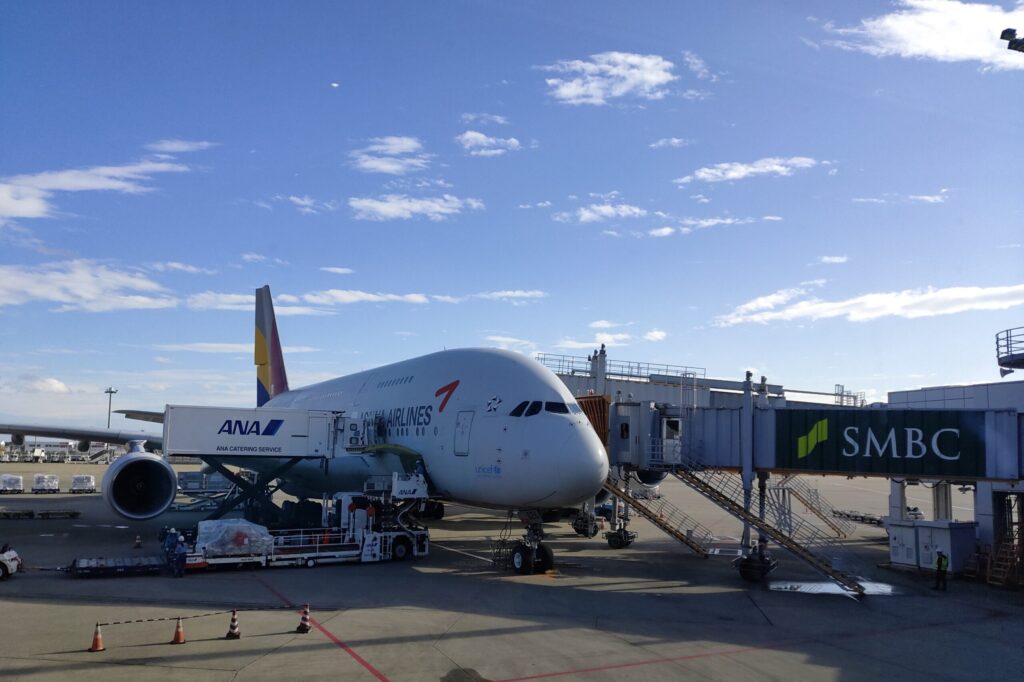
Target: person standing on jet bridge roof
941 566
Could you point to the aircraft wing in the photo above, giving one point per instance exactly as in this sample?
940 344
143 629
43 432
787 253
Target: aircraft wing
143 415
77 433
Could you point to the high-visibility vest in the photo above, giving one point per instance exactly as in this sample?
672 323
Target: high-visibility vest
942 562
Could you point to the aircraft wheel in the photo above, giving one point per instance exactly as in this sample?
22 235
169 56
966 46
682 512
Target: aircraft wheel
615 541
545 559
522 559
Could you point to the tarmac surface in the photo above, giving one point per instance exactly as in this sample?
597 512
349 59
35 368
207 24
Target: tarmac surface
650 612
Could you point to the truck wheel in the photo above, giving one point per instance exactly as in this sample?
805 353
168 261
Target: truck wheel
522 559
310 563
4 573
401 549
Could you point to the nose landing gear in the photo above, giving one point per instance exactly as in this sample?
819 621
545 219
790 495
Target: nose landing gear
528 555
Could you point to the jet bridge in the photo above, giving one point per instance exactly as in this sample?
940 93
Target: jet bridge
707 447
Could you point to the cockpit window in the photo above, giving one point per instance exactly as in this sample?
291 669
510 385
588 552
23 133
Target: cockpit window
534 408
575 409
518 411
557 408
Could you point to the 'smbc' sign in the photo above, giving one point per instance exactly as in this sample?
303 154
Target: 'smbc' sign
931 443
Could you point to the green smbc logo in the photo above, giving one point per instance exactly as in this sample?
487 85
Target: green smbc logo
805 445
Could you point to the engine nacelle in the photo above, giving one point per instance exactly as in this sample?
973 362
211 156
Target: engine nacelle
17 439
651 478
140 486
84 445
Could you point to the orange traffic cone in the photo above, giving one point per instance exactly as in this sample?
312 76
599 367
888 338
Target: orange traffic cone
97 640
304 625
233 631
138 542
179 634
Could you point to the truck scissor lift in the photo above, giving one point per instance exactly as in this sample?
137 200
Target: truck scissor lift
363 528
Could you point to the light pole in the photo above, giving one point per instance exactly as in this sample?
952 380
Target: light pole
110 402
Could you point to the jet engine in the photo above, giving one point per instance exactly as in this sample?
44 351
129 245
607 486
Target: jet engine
84 445
650 478
140 485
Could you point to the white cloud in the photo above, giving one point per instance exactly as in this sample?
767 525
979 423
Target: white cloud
46 385
700 198
909 303
28 196
599 212
664 142
307 205
723 172
286 298
705 223
478 144
941 30
610 75
695 95
81 286
771 218
404 207
514 296
180 146
698 68
211 300
175 266
606 324
867 200
393 155
260 258
539 204
833 260
662 232
611 233
512 343
347 296
929 198
203 347
485 119
338 271
608 339
655 335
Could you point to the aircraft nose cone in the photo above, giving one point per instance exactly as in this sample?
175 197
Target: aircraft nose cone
585 465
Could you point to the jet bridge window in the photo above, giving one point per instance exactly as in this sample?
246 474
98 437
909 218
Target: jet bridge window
519 409
534 408
557 408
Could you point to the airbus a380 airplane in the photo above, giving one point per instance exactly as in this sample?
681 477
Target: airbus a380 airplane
492 429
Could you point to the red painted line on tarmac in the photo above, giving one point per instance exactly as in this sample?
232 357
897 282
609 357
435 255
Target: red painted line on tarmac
328 634
348 650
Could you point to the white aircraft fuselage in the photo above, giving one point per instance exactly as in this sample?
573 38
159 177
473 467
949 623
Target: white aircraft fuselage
455 408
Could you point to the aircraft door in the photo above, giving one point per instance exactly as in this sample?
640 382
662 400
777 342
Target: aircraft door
463 424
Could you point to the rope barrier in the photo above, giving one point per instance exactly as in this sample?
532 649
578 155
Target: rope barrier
199 615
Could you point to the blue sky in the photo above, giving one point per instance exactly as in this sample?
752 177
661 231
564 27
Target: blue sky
821 193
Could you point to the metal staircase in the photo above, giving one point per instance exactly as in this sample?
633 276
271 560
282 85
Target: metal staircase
803 540
802 491
667 517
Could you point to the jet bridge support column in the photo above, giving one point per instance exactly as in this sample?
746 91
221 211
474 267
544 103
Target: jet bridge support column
942 502
897 500
747 454
762 492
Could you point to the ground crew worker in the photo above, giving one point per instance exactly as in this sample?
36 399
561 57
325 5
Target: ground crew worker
941 566
170 542
180 555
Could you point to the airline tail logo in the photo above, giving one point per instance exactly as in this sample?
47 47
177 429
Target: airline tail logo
806 444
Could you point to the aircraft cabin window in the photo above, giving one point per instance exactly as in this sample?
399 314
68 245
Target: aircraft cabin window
534 408
518 411
557 408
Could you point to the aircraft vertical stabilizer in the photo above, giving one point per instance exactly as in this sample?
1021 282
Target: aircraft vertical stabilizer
271 378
